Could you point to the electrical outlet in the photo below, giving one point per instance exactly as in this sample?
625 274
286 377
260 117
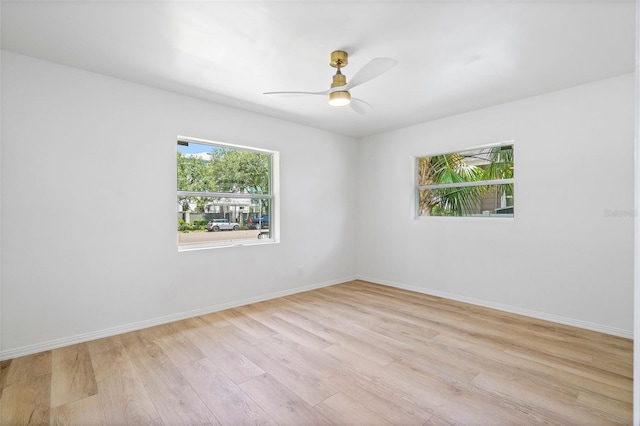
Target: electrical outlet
299 270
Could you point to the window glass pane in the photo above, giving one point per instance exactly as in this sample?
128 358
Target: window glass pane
485 201
211 168
467 166
222 220
224 194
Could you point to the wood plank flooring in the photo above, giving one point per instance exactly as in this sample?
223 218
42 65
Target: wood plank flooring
355 353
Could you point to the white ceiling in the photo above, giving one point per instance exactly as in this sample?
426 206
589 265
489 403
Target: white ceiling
453 56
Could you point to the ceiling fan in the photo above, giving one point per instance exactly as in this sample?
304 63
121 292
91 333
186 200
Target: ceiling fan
338 93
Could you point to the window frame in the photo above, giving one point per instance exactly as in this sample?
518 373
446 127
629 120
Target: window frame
415 210
273 196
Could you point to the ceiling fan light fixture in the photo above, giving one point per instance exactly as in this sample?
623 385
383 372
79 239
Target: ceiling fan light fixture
339 98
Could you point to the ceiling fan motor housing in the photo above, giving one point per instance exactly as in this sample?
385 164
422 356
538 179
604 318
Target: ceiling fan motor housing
339 80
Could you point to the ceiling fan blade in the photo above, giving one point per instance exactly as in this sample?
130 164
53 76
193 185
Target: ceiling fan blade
371 70
326 92
360 106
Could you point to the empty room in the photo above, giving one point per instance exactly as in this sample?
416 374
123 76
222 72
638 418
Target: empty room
304 212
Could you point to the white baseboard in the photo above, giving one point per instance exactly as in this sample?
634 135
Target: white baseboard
86 337
506 308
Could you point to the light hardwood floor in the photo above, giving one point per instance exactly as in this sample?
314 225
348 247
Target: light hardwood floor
355 353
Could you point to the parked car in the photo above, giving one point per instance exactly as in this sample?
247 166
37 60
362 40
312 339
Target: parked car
222 225
258 222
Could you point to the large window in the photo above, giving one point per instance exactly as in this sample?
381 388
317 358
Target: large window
476 182
226 194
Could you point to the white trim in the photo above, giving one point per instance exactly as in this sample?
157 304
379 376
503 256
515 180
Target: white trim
478 218
225 144
416 188
226 244
235 195
507 308
636 231
85 337
472 148
494 182
273 197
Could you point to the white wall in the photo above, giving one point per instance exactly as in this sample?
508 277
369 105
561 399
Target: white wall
77 148
81 150
561 257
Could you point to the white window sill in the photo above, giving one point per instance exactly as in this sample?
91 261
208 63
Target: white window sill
207 246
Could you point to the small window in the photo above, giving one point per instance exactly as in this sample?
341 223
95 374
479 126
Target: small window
472 183
225 194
